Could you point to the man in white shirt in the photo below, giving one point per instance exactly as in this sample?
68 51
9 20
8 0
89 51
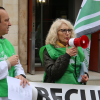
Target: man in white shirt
9 62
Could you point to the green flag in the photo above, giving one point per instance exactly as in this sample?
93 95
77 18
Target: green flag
88 22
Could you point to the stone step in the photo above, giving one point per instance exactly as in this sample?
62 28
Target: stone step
94 82
94 77
38 77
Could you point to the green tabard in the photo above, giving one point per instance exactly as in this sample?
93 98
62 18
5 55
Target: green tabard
69 76
6 51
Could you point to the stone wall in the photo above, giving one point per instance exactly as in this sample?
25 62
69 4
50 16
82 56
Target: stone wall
1 3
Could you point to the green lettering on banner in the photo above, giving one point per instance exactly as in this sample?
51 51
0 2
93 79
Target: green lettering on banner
88 51
86 62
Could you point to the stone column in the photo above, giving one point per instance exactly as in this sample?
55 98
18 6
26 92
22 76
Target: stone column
22 32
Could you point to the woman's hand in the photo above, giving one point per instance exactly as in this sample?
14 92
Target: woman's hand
72 51
84 78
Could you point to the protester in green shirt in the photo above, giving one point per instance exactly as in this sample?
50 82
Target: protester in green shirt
9 62
58 58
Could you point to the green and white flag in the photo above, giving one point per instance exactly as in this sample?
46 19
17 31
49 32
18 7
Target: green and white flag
88 22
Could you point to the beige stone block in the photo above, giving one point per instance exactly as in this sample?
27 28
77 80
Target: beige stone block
12 11
23 54
10 1
16 50
23 17
1 3
23 32
13 38
23 12
23 47
13 29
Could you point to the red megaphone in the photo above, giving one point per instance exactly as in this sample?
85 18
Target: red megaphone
83 41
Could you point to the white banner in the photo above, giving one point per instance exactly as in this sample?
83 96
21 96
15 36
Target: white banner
51 91
48 91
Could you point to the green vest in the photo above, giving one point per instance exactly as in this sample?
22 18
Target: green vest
69 76
6 51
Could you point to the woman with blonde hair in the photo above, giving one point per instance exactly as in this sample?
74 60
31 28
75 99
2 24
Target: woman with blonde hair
58 58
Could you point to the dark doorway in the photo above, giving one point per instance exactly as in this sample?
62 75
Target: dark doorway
45 13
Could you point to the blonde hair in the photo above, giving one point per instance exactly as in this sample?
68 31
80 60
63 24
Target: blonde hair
52 34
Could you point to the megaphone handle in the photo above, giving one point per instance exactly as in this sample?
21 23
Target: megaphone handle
75 66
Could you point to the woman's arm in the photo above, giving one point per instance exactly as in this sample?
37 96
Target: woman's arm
55 69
